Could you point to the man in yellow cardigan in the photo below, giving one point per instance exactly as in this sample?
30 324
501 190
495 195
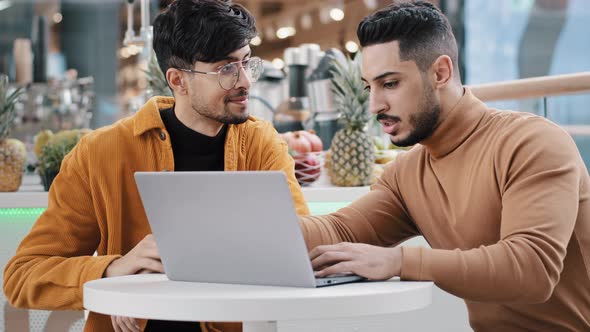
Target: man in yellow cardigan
203 48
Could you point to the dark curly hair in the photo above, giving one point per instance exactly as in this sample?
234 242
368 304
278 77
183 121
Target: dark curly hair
422 30
200 30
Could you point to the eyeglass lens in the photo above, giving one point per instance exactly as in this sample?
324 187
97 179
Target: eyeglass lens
230 73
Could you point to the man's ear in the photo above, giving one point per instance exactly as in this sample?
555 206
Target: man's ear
176 81
443 71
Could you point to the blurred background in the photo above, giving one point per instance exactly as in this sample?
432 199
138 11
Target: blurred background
85 74
88 63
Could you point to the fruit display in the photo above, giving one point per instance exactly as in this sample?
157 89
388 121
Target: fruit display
306 149
352 151
12 151
385 151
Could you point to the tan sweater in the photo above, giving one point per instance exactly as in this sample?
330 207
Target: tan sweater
503 200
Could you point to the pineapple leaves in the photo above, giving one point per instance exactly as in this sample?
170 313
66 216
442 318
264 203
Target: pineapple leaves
7 112
349 93
156 79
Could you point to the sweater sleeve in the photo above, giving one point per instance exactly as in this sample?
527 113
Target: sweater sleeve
274 155
538 169
378 218
54 260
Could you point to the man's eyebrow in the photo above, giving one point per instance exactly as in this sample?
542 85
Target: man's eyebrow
233 58
385 74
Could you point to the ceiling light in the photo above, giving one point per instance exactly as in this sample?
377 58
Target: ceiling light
57 17
278 63
337 14
351 46
285 32
256 41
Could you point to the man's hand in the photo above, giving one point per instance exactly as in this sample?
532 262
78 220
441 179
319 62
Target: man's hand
125 324
371 262
143 258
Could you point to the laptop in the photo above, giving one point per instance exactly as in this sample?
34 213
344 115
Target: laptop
228 227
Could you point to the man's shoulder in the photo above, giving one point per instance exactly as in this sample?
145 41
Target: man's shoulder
253 124
255 127
103 138
512 125
524 137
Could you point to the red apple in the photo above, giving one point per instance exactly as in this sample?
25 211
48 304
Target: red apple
307 168
299 144
316 142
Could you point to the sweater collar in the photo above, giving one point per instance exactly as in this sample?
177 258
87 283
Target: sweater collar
458 125
148 117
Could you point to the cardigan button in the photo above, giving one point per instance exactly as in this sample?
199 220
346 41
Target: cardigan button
162 135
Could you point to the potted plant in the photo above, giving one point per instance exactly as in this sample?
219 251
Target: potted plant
53 152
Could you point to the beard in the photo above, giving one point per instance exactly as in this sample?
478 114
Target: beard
424 122
226 116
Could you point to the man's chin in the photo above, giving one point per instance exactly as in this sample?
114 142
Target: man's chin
236 114
238 118
402 142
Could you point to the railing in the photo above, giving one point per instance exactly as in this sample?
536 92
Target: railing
538 87
534 87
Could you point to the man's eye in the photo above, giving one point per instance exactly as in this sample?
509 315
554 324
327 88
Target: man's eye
227 68
390 85
367 88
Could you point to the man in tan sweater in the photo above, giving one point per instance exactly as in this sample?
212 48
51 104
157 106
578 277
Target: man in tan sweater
501 197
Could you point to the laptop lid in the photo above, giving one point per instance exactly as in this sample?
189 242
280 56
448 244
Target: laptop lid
226 227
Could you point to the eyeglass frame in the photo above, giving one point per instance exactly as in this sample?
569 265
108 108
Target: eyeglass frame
218 73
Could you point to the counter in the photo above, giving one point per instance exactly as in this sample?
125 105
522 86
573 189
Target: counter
321 196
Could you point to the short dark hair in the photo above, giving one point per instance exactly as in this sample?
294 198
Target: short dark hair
200 30
422 30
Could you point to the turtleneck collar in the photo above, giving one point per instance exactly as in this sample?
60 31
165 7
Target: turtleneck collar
458 125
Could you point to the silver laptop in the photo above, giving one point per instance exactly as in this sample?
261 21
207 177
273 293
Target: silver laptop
228 227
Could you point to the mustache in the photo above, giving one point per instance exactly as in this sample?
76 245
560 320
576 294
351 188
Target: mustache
384 116
241 93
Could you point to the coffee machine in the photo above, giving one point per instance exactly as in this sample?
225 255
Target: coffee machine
268 92
310 104
294 113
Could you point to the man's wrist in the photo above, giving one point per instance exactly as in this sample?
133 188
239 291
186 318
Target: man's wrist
108 271
397 258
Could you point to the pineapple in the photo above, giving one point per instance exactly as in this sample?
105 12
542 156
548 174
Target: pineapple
157 84
352 151
12 151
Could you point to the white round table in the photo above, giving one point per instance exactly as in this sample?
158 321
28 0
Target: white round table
153 296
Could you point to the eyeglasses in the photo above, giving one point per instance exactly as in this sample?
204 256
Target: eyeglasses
229 74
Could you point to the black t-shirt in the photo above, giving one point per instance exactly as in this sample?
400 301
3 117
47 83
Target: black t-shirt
192 151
